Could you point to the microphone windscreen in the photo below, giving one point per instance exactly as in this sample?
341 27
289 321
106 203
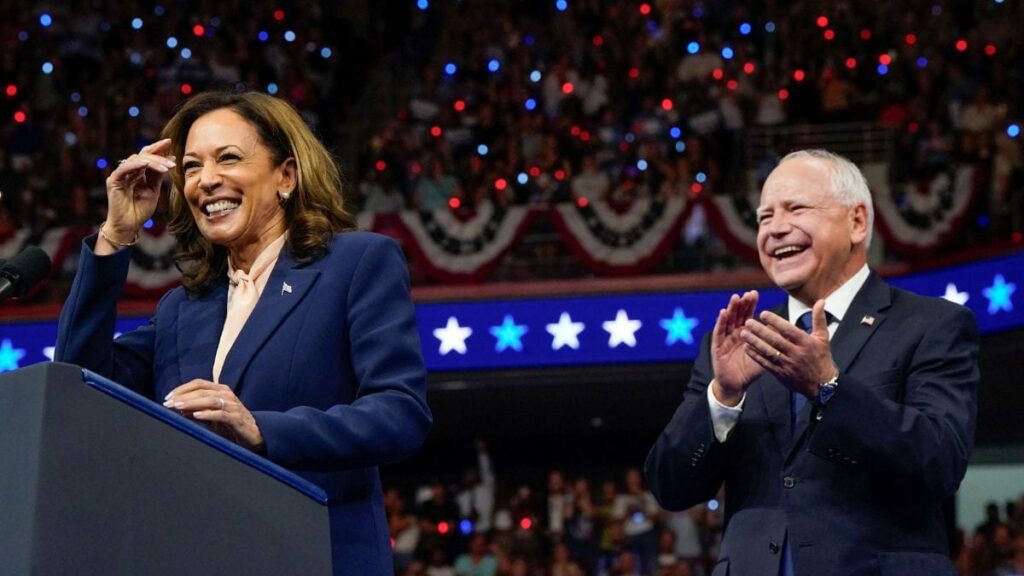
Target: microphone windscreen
26 269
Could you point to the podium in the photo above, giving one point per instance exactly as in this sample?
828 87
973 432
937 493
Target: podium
96 479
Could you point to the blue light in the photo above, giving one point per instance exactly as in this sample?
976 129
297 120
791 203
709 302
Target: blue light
693 47
675 132
678 328
289 36
508 334
76 97
47 67
70 138
158 10
133 111
148 224
137 23
136 58
530 104
186 53
466 527
325 52
172 42
999 294
701 177
641 164
535 76
263 36
450 68
9 355
713 504
104 26
745 28
769 27
883 69
45 20
528 40
680 147
922 62
482 150
493 65
101 163
638 518
423 4
630 137
83 111
727 53
982 221
22 35
1013 130
271 88
561 5
522 178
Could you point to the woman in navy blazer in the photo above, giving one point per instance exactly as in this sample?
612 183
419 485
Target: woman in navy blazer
325 376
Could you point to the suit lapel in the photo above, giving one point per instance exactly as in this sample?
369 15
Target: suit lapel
284 290
775 397
200 322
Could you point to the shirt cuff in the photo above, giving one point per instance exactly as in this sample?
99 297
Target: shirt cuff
723 418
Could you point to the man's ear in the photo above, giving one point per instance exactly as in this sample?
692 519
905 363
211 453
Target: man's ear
859 224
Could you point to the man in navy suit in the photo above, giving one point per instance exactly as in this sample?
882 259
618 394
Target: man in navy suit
838 422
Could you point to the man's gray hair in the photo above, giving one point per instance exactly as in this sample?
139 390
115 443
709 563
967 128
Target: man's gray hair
846 181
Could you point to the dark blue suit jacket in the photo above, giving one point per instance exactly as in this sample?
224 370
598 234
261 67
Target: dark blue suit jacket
330 367
859 484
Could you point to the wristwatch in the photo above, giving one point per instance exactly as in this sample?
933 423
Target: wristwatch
827 389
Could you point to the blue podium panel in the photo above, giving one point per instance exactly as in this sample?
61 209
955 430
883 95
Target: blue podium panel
97 480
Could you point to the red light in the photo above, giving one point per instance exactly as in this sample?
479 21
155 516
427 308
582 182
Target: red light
1017 237
634 73
460 105
822 21
748 68
198 30
186 89
799 75
442 527
910 39
851 63
598 41
913 127
645 9
559 174
582 202
732 84
567 88
575 130
717 74
534 171
865 34
435 131
19 117
830 34
696 188
380 165
666 104
11 90
990 49
416 168
500 184
783 94
885 59
278 15
525 523
961 45
585 136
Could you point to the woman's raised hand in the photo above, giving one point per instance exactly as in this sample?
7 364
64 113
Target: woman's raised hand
133 191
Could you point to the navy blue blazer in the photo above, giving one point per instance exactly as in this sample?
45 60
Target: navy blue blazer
858 486
331 369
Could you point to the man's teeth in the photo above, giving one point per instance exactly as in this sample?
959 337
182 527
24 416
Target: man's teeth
221 206
788 250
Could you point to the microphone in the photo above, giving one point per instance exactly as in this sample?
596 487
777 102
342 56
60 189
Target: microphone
21 273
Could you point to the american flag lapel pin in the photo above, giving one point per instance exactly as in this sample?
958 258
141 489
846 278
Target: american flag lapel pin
285 289
868 320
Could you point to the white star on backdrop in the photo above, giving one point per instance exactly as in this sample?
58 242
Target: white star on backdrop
565 332
955 296
622 330
452 337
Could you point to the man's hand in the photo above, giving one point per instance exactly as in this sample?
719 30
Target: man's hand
800 360
733 366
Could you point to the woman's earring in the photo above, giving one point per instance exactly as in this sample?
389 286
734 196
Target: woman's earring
283 196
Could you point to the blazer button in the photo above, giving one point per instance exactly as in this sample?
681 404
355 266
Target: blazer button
773 547
788 482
